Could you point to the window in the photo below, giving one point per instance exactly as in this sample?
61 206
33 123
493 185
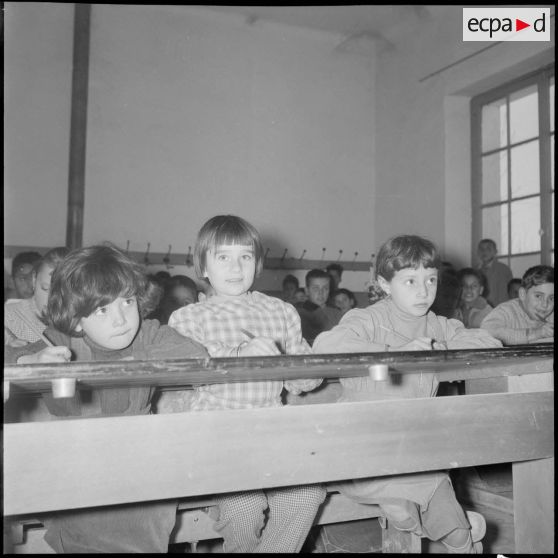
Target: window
513 170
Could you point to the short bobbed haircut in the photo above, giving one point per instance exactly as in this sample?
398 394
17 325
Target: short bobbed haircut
537 275
91 277
226 229
405 251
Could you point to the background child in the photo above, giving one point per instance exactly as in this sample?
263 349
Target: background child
315 315
23 265
235 321
473 307
288 288
530 317
95 307
407 270
23 318
497 274
179 291
344 300
513 287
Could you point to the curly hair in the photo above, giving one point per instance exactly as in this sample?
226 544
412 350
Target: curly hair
405 251
92 277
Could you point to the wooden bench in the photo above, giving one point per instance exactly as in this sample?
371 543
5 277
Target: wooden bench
194 523
311 443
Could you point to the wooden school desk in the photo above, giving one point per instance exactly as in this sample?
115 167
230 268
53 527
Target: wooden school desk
75 463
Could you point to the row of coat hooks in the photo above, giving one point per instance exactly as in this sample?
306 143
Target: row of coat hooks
283 262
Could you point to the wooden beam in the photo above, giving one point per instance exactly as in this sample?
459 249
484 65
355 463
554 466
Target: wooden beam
78 126
68 464
449 365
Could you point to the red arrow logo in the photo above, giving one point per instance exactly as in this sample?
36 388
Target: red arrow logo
519 25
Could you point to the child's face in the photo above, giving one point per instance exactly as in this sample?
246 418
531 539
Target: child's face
343 302
318 290
289 291
23 281
471 289
113 326
300 295
538 301
412 290
42 287
183 295
334 274
231 269
486 252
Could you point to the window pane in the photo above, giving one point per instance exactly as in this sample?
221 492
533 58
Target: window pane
495 226
495 177
551 104
494 130
520 264
525 175
524 114
526 224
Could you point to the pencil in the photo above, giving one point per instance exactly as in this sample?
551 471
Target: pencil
247 333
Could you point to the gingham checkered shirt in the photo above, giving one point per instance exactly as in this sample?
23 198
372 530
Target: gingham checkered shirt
17 326
217 323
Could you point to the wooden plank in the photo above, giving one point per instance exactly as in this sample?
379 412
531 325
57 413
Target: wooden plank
450 365
533 487
533 506
81 463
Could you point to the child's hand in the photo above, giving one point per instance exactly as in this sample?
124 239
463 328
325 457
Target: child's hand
259 346
546 330
50 354
418 344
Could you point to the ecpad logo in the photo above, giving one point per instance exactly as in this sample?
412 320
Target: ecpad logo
506 24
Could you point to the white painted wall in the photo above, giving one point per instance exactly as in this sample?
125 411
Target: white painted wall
193 112
37 103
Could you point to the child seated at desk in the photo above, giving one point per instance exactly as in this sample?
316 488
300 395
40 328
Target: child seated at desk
530 317
472 307
97 299
235 321
23 318
407 270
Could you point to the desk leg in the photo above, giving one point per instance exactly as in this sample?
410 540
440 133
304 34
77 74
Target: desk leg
533 486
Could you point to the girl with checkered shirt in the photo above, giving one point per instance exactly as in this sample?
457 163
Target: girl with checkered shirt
235 321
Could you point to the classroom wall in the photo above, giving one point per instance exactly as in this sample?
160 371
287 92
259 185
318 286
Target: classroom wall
423 89
318 141
37 103
194 113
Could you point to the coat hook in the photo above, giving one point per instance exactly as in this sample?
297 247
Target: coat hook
284 254
166 259
302 256
146 257
189 259
340 254
323 252
354 259
127 246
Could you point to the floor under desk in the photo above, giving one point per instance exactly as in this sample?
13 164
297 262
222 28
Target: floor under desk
487 490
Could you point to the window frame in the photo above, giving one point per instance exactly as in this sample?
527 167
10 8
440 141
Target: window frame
542 79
